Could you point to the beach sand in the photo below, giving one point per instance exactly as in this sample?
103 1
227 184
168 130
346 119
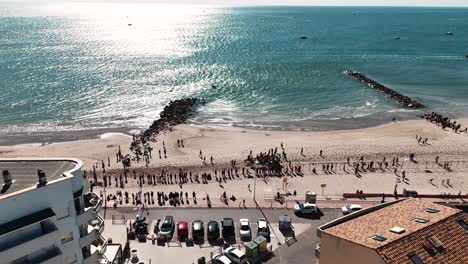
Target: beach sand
389 140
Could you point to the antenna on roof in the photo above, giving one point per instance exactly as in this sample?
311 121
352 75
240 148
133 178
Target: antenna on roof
42 178
7 178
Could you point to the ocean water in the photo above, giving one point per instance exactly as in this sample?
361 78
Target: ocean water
95 67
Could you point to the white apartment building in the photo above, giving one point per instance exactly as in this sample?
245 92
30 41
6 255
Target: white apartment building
44 216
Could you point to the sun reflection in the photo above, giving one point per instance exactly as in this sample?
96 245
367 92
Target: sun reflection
131 29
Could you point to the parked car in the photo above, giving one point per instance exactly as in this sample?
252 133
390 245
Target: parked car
244 230
167 227
263 228
220 259
350 208
235 255
182 230
305 208
212 230
229 231
198 230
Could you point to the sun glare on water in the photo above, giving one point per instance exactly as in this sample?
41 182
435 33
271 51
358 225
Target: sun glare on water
140 29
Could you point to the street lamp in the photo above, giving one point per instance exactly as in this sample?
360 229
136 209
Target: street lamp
255 181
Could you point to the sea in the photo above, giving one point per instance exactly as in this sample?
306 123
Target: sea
76 70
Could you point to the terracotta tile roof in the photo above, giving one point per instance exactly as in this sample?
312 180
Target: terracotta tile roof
453 236
359 230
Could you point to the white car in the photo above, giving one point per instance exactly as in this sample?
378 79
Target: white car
263 229
221 259
235 255
306 208
244 230
350 208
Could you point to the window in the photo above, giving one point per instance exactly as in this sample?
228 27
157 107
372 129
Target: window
429 249
78 208
379 238
436 243
463 224
431 211
421 220
415 258
67 238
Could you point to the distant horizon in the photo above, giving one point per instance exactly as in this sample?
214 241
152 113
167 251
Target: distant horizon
247 3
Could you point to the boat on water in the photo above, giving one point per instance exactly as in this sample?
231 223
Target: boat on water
303 37
449 33
396 38
466 56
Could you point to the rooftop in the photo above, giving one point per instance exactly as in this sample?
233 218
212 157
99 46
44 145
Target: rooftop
451 234
372 229
24 172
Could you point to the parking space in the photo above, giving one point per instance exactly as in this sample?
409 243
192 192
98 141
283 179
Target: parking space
189 252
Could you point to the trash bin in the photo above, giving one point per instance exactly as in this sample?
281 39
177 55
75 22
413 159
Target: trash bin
311 197
262 243
251 249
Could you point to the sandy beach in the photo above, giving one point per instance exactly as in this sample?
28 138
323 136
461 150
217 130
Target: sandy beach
389 140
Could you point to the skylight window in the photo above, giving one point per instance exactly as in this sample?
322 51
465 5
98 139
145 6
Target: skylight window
379 238
436 243
431 211
463 224
429 248
421 220
415 258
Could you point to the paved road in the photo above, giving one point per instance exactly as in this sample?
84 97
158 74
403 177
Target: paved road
205 214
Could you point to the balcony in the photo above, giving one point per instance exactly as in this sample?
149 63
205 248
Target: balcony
88 215
50 257
17 249
89 238
92 259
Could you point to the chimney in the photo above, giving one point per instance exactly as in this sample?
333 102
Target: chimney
7 178
42 178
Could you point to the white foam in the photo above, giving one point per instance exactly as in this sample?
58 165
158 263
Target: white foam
112 135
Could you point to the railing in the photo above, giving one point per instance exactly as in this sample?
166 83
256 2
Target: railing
92 259
88 215
101 223
15 250
89 238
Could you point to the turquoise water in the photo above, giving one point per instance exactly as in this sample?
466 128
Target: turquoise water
83 67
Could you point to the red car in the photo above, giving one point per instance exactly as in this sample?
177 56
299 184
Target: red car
182 230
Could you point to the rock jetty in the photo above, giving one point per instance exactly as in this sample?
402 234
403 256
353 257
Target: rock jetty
404 100
175 113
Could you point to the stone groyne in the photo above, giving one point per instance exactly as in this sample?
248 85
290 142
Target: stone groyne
404 100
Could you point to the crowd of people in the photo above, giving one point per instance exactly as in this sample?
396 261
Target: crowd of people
445 122
272 163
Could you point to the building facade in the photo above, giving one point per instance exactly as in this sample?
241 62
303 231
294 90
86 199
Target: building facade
45 216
